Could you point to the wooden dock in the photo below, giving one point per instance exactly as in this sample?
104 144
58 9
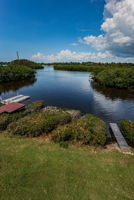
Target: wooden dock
119 138
16 99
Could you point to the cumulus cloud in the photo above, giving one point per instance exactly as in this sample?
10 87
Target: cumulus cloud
118 28
67 56
98 43
116 44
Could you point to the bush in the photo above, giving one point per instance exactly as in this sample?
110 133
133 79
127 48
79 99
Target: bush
6 118
28 63
37 123
86 130
16 73
75 114
127 128
117 77
35 106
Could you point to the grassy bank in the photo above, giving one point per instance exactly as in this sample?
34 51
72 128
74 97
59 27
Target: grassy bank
34 169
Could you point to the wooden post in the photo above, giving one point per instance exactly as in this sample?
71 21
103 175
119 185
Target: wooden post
17 55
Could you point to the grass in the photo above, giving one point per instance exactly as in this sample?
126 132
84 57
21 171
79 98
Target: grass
31 169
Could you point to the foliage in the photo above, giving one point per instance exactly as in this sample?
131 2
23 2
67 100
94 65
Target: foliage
80 67
38 123
15 73
127 128
28 63
35 106
75 114
117 77
6 118
86 130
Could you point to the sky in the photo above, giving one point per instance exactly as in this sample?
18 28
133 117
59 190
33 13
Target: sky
67 30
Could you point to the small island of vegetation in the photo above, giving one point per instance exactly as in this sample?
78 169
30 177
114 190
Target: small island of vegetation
17 70
28 63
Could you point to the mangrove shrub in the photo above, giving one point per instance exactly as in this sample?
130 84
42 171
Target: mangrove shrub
38 123
127 128
117 77
86 130
15 73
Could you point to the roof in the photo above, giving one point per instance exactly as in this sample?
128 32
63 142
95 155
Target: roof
11 107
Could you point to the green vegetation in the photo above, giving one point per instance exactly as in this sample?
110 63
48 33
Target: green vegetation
35 106
128 130
80 67
86 130
15 73
3 64
118 75
6 118
18 70
28 63
37 170
37 123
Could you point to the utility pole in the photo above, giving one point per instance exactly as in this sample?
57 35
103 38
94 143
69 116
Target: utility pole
17 55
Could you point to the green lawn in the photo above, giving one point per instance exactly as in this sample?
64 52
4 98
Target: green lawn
32 169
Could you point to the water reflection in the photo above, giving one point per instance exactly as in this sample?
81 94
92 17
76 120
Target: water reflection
113 93
14 86
74 90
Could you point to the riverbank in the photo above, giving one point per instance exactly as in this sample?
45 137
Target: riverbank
115 75
63 126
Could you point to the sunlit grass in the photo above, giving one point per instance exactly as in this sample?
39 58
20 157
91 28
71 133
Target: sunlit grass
36 170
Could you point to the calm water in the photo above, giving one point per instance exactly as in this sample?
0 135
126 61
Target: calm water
75 90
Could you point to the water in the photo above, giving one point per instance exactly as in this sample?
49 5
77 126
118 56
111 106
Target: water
74 90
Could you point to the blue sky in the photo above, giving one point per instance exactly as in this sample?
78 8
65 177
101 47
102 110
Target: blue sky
48 27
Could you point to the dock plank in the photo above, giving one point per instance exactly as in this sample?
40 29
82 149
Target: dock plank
16 99
119 137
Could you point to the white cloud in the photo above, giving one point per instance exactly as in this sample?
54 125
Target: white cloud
116 42
74 44
97 42
68 56
118 27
